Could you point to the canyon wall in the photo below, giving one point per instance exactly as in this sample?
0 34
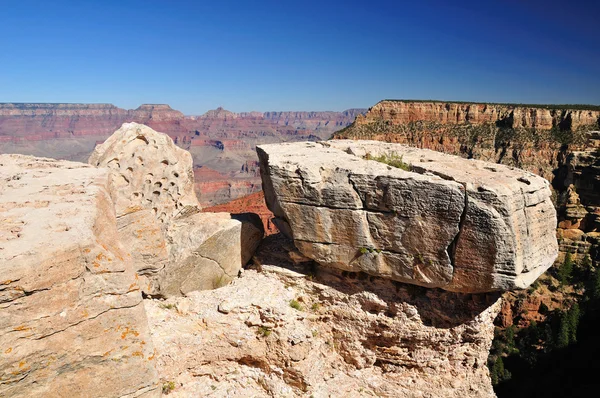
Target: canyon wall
511 115
218 140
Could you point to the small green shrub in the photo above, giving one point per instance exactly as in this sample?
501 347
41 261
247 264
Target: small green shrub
565 270
168 387
168 306
365 250
393 159
295 304
264 331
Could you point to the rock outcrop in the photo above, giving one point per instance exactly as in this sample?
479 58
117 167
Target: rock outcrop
456 224
219 139
254 203
178 248
298 332
72 322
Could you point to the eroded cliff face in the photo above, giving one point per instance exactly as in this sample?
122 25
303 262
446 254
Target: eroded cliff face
510 115
39 122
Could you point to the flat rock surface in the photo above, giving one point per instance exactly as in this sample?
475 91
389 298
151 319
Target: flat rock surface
461 225
72 318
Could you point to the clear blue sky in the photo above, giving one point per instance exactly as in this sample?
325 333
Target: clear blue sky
298 55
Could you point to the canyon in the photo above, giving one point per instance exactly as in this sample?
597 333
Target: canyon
221 142
112 271
303 319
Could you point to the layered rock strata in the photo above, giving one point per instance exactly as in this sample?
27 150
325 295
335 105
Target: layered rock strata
456 224
510 115
72 322
178 248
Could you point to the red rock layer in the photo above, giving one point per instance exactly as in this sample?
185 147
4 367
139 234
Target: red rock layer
402 112
254 203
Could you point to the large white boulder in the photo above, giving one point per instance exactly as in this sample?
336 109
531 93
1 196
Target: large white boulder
457 224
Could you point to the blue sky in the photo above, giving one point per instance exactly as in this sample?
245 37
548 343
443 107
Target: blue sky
298 55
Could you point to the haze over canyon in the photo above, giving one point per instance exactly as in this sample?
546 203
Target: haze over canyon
222 143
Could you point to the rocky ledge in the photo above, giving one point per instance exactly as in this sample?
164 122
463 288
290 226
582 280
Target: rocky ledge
460 225
79 244
292 330
72 320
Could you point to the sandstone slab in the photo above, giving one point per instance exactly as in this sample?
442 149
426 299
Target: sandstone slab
71 315
457 224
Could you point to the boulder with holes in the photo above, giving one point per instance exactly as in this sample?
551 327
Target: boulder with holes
411 215
176 247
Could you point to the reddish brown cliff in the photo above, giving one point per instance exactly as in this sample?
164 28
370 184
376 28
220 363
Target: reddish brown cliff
253 203
511 115
221 140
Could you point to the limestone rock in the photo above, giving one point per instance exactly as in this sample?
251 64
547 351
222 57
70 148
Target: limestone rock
141 233
149 170
205 253
177 248
71 313
350 337
457 224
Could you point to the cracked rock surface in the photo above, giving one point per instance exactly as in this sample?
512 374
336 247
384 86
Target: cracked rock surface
177 248
460 225
285 330
72 320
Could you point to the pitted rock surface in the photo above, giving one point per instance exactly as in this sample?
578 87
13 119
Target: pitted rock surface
177 249
457 224
149 170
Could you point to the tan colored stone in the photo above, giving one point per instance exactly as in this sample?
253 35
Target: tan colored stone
71 315
177 248
350 337
149 170
461 225
573 234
